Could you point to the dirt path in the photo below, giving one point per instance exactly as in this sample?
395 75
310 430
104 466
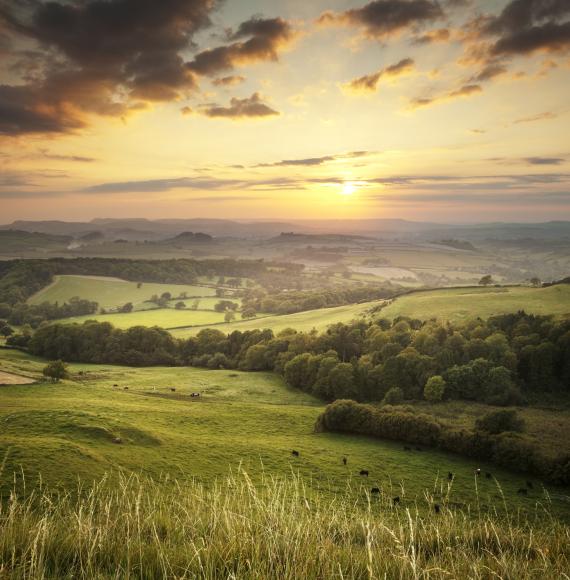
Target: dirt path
12 379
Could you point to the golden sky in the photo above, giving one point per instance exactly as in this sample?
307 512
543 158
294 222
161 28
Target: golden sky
452 111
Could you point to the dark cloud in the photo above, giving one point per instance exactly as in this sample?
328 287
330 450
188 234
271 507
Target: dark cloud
98 56
489 71
228 81
255 40
529 160
369 83
241 108
45 154
433 36
382 18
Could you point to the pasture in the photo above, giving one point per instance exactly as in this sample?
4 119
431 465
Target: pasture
87 427
457 304
111 292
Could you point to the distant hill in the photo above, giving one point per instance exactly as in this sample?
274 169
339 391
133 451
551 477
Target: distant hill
190 238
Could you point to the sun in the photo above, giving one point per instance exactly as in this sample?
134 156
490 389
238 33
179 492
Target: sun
348 188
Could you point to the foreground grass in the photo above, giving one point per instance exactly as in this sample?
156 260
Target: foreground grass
235 529
457 304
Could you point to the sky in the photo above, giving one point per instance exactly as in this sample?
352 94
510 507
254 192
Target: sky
445 111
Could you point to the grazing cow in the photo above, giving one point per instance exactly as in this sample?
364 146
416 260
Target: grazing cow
488 475
195 395
396 500
364 472
115 385
375 490
522 491
126 388
295 453
344 460
477 472
436 508
117 440
529 484
173 389
450 476
406 448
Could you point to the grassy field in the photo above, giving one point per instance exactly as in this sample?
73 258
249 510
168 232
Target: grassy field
163 317
464 303
69 430
111 292
302 321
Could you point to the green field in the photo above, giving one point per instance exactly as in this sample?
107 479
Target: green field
67 430
301 321
464 303
111 292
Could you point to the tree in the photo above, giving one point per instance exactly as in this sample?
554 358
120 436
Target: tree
180 306
195 304
139 284
536 282
393 397
486 280
434 389
128 307
5 329
229 316
248 312
55 371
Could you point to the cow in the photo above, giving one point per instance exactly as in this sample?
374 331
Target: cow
295 453
406 448
193 395
522 491
450 476
173 389
364 472
529 484
126 388
344 460
375 490
396 500
115 385
488 475
477 472
436 508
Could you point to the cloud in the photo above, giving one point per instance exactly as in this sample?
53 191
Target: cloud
257 39
489 71
547 115
529 160
369 83
249 107
228 81
45 154
97 57
464 91
382 18
314 161
438 35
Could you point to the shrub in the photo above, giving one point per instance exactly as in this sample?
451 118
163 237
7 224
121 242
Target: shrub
55 371
500 421
393 397
435 389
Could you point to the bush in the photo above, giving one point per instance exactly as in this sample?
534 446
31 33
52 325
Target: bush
55 371
435 389
393 397
500 421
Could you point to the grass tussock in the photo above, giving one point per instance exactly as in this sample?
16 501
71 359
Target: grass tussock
141 528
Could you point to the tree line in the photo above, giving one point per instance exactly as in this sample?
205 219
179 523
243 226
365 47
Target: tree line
499 361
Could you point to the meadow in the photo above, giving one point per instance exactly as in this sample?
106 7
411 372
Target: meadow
111 292
457 304
88 428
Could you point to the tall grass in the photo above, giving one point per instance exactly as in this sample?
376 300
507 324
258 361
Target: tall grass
139 528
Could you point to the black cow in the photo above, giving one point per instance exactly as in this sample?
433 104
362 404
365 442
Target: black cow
450 476
195 394
522 491
488 475
375 490
396 500
344 460
436 508
115 385
477 472
529 484
364 472
295 453
126 388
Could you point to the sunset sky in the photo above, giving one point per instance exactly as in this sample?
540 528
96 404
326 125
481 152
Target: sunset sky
450 111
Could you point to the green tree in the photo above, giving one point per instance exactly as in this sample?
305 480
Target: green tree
394 396
500 421
55 371
486 280
248 312
434 389
126 308
229 316
180 306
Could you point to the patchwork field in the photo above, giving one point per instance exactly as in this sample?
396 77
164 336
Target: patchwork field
461 304
111 292
91 425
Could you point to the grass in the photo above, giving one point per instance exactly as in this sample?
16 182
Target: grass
464 303
301 321
141 528
110 292
67 431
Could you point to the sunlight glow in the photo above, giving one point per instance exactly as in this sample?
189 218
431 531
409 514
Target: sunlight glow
348 188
